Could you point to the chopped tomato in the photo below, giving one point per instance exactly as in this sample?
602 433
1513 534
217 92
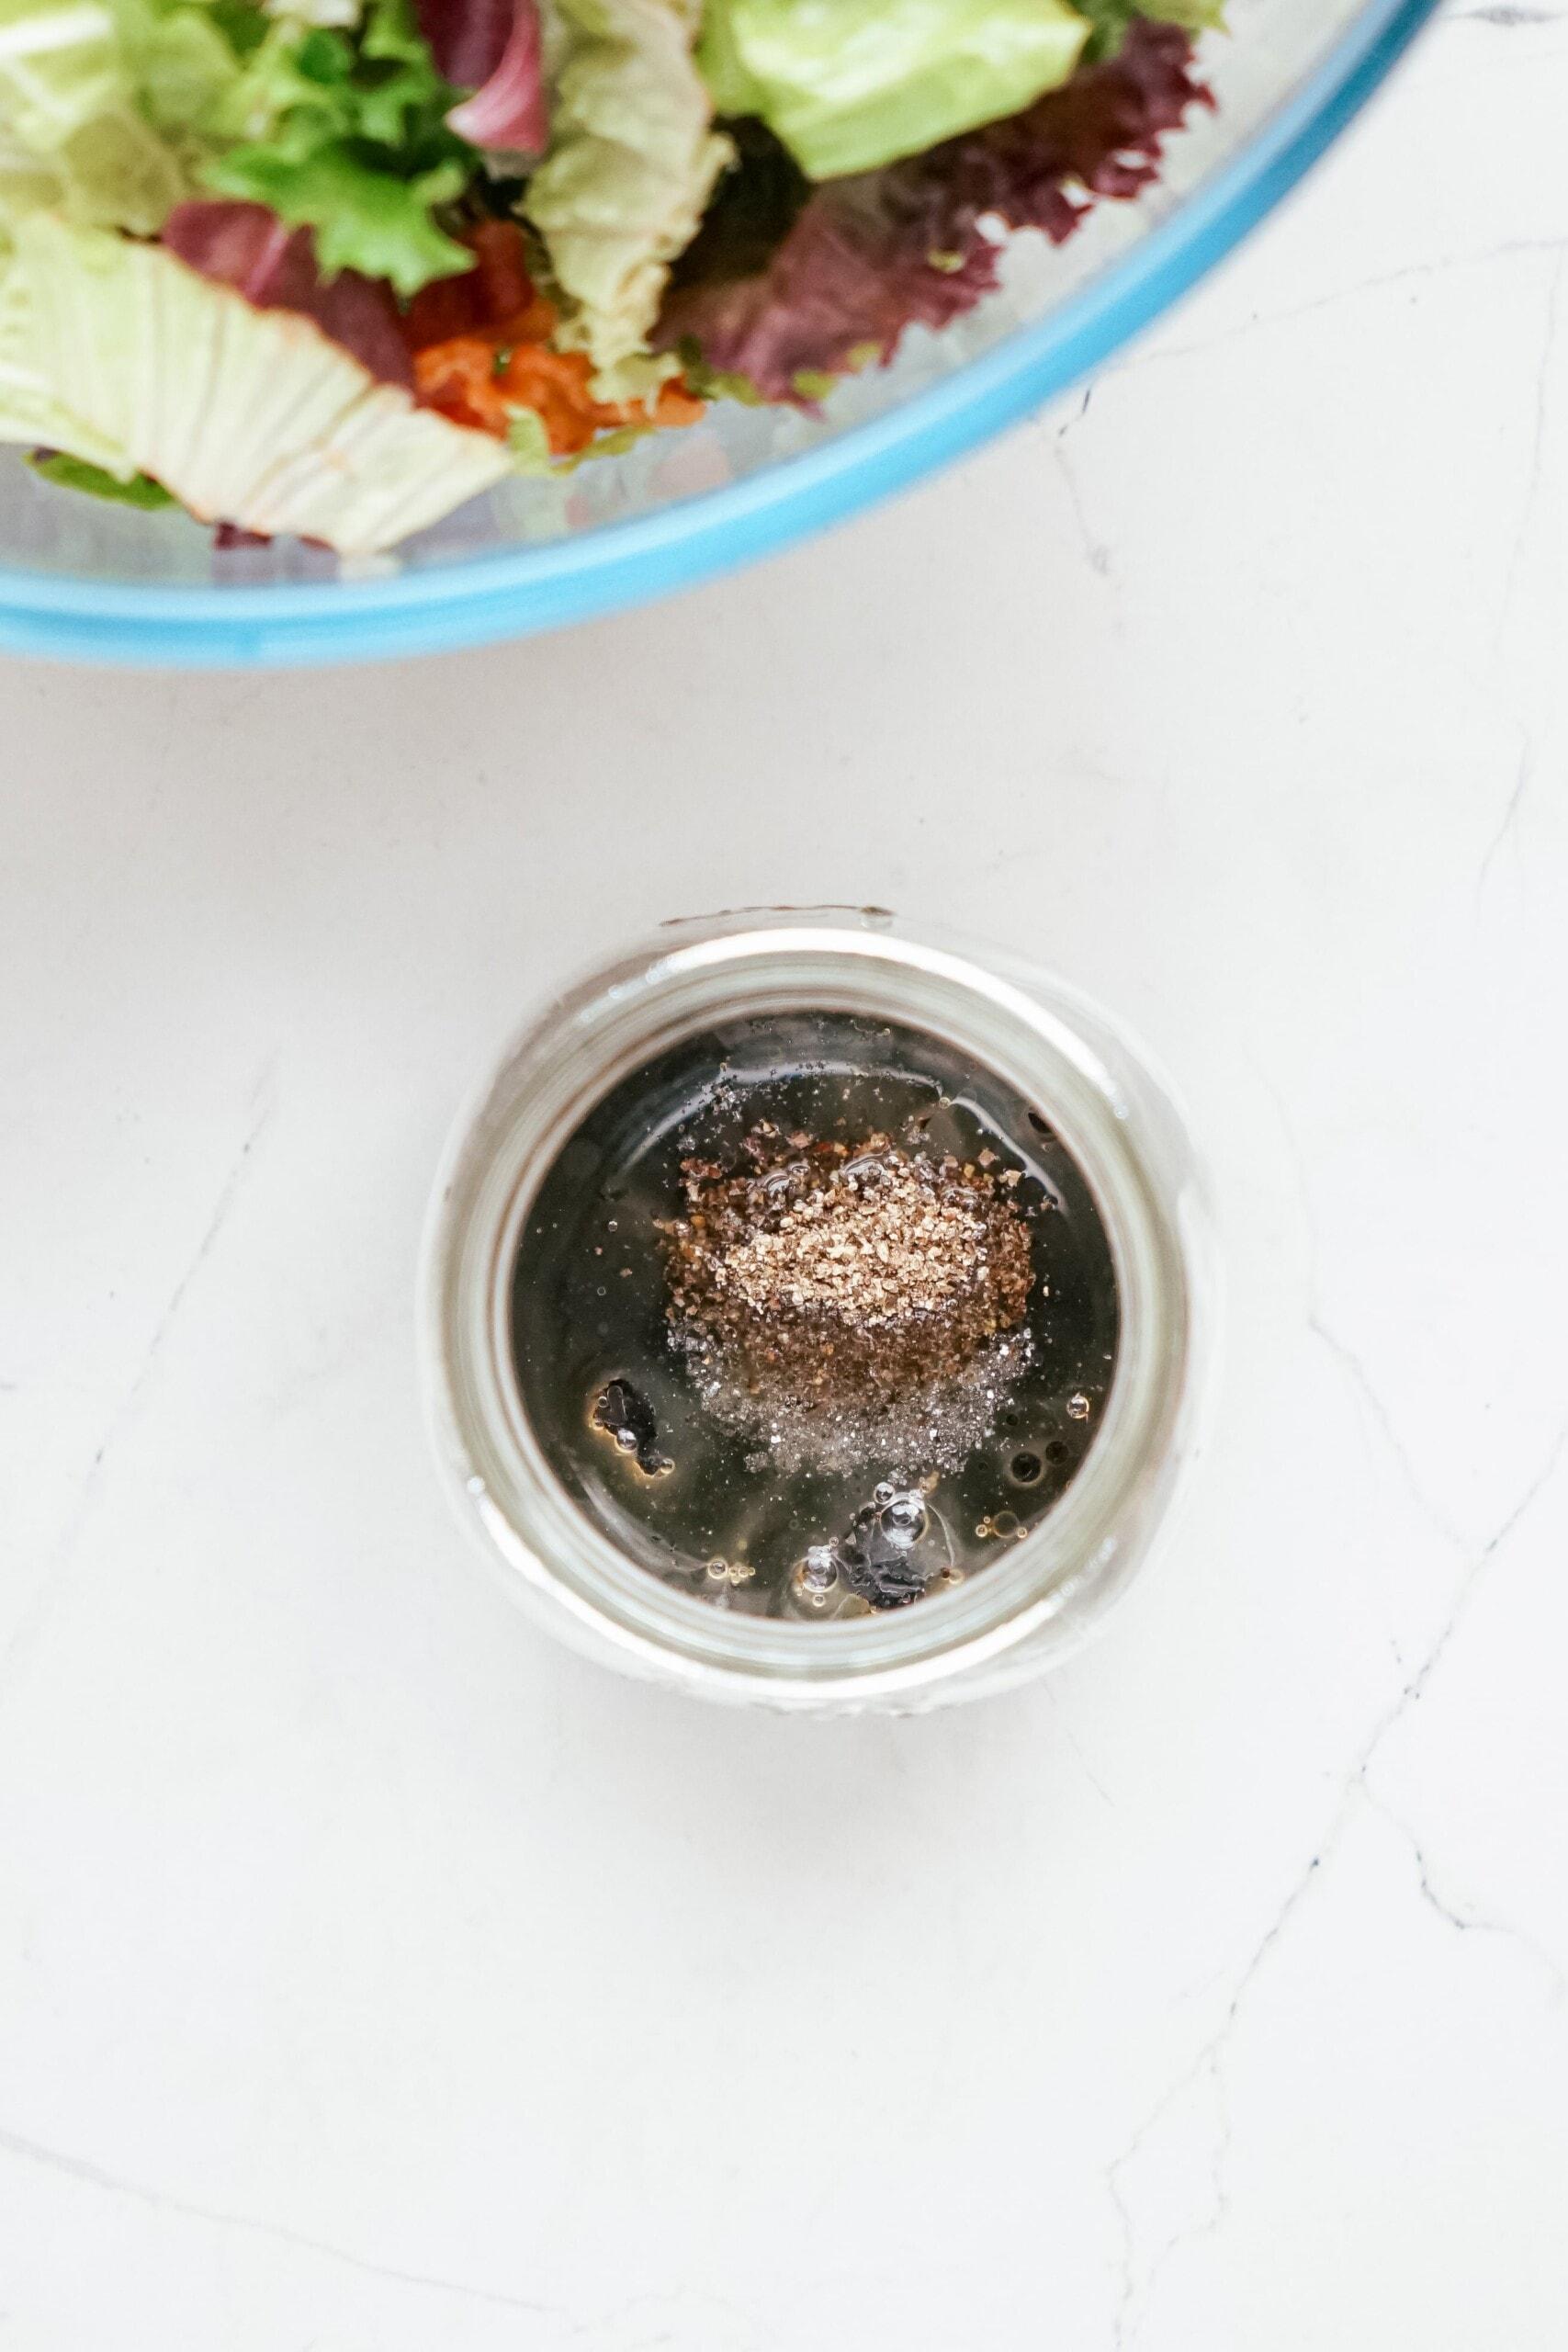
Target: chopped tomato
494 291
458 378
480 346
674 404
447 307
501 269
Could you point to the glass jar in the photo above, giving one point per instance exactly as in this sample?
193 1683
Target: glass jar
1033 1606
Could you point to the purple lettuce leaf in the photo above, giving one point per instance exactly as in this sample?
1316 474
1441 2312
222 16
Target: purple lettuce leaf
789 283
274 266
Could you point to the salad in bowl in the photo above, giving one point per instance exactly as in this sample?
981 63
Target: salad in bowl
329 268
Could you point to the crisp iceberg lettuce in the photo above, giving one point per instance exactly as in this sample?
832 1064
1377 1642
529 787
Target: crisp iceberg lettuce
248 416
106 105
60 67
31 411
631 163
850 85
28 183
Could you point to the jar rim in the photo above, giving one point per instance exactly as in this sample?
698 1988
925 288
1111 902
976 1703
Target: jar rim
548 1079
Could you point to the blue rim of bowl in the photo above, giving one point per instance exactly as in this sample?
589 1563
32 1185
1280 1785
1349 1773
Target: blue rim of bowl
520 590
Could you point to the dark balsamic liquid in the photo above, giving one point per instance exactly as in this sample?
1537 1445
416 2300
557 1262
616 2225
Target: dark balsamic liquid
618 1414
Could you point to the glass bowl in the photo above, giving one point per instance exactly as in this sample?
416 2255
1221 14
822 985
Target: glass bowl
108 584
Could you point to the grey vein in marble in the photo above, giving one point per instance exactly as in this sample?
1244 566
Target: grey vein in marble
1210 2060
95 2176
44 1601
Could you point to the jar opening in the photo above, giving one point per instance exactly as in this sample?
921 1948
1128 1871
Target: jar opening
500 1432
771 1296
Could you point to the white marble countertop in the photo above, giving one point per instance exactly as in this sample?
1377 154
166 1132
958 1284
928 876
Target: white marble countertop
377 1977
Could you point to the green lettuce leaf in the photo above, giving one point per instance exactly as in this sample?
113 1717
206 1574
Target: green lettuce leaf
365 218
1193 16
528 444
1109 19
632 160
344 133
849 85
74 473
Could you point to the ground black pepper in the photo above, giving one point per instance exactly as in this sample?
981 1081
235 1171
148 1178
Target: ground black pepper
843 1300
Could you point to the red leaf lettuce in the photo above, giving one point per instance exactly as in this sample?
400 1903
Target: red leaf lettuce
787 284
247 247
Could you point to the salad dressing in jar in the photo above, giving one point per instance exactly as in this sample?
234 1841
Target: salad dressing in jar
793 1273
811 1313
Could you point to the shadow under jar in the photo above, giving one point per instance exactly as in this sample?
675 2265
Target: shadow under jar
811 1313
